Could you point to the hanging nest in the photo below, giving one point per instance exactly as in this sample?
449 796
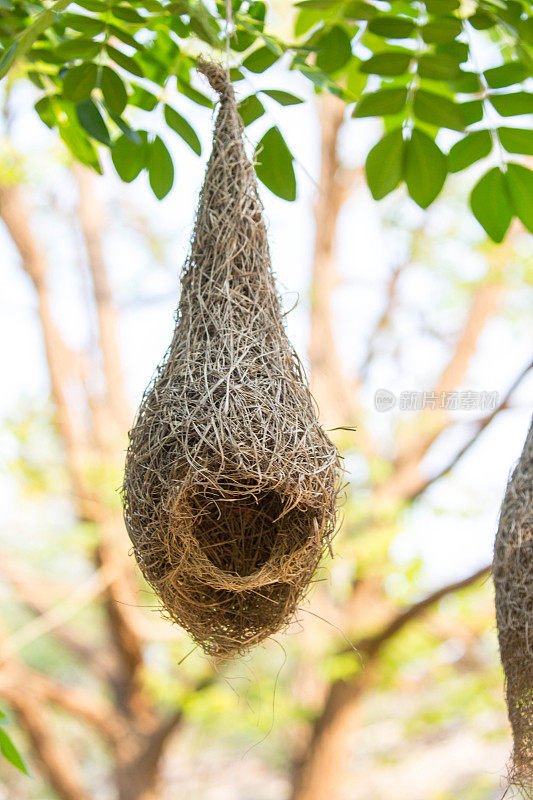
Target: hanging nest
513 580
230 483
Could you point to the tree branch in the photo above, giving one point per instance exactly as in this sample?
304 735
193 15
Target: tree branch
15 214
91 219
372 645
481 425
57 763
329 383
383 320
29 589
80 702
320 770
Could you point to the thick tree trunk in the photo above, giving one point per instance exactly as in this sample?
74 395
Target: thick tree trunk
322 774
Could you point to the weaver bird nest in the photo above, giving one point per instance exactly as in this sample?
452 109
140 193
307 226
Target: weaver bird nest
230 483
513 581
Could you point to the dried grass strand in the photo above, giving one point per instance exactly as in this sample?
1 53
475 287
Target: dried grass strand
513 581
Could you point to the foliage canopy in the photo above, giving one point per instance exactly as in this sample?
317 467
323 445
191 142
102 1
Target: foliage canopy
104 70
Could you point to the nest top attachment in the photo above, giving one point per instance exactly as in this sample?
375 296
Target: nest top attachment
217 76
230 483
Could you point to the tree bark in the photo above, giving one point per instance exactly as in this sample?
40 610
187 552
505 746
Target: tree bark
91 221
56 761
15 214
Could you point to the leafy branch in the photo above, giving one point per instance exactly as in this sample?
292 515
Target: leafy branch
109 77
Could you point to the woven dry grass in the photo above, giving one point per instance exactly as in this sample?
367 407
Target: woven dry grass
230 483
513 580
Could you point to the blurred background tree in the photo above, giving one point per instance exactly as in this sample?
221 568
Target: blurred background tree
106 698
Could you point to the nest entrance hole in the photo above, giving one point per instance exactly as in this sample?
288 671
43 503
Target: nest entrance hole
240 534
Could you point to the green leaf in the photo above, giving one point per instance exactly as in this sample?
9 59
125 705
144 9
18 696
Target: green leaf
35 78
481 21
127 14
520 186
114 91
441 31
143 99
381 103
79 47
241 40
517 140
505 75
491 204
438 110
257 10
459 50
471 148
76 139
45 54
466 83
384 164
124 36
250 109
525 29
235 75
438 67
472 111
46 111
325 4
92 121
8 57
30 35
320 78
359 10
10 752
355 80
334 49
160 168
511 12
79 82
387 63
283 98
128 158
83 23
424 168
183 129
126 62
126 129
440 7
392 27
193 94
274 165
510 105
260 60
92 5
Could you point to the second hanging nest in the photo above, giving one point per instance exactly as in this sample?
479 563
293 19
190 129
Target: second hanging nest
513 582
230 482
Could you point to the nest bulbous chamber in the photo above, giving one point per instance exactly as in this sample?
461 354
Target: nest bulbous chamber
230 482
